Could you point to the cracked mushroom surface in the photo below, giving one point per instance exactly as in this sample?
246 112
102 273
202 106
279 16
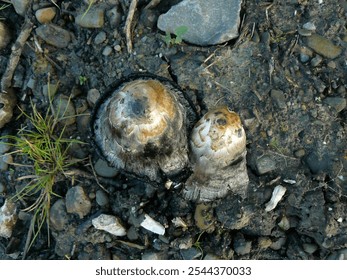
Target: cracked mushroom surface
218 148
141 127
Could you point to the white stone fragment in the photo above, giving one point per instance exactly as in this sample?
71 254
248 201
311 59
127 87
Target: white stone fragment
340 220
277 195
110 224
8 219
289 181
152 225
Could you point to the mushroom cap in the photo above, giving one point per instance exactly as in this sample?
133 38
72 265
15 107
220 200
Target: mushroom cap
141 127
217 139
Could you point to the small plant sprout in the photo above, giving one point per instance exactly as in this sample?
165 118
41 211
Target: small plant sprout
179 32
42 145
82 79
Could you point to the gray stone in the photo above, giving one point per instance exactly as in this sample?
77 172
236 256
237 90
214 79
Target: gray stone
265 164
54 35
100 38
103 169
323 46
316 61
191 254
209 22
77 202
107 51
101 198
309 248
58 216
20 6
5 160
279 98
309 26
304 58
64 109
338 103
93 19
92 96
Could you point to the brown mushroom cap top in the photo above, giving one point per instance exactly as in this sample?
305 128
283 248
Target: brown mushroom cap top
141 112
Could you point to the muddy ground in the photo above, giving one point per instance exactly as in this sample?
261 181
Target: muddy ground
290 94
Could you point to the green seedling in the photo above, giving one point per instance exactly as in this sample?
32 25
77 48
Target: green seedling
91 2
179 32
82 80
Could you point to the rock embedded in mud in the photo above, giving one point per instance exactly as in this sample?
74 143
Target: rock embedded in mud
218 155
209 22
77 202
54 35
323 46
141 127
338 103
5 35
8 218
7 102
103 169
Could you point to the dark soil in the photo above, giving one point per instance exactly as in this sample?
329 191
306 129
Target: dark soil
293 110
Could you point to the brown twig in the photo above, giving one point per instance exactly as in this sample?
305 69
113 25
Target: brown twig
17 49
128 25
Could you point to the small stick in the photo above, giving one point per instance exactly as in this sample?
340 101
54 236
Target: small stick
128 24
17 49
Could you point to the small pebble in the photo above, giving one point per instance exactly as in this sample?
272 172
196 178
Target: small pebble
92 96
152 225
338 103
20 6
77 202
107 51
110 224
100 38
93 19
304 58
103 169
265 164
309 26
54 35
58 216
117 48
310 248
45 15
65 110
323 46
101 198
316 61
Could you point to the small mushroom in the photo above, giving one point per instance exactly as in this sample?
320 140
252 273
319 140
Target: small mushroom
7 103
141 127
218 147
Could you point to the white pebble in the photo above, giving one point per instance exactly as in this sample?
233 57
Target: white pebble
277 195
110 224
152 225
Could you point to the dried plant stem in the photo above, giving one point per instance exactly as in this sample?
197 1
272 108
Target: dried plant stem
17 49
128 25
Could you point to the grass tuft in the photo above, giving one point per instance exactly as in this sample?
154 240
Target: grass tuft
46 150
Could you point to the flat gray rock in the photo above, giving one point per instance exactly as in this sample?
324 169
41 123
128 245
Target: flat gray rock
209 22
